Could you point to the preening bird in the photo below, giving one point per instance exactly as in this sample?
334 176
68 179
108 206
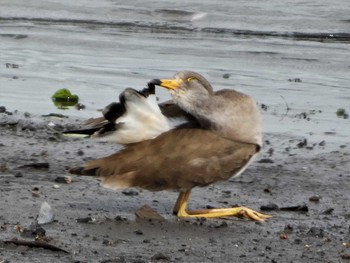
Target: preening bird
222 141
136 117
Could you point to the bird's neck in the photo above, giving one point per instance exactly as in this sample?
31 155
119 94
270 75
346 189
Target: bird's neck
234 120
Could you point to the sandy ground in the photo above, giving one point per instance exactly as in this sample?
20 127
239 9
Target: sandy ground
289 173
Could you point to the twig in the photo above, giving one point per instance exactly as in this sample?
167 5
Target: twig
287 107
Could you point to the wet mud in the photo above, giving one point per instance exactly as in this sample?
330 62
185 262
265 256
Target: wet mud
303 184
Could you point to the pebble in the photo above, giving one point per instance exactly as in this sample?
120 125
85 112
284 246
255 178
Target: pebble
138 232
35 193
33 231
56 186
283 236
328 211
85 220
130 192
288 229
316 232
119 218
266 160
160 256
302 144
314 198
146 212
264 107
63 179
322 143
2 109
18 174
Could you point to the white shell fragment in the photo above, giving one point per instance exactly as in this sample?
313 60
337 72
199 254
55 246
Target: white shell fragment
45 214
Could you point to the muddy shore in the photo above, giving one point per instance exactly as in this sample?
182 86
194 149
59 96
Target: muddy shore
93 224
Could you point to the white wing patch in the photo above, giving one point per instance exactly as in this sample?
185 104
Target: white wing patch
143 120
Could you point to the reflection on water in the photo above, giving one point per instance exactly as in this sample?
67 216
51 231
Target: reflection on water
99 49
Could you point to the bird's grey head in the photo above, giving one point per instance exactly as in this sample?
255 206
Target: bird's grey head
188 89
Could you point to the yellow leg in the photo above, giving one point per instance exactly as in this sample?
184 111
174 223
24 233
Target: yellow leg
216 212
178 203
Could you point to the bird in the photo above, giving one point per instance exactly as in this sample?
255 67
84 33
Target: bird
136 117
224 140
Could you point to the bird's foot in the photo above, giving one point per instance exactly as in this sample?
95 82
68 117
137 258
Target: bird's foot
239 211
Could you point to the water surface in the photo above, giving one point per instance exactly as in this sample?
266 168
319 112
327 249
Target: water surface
289 54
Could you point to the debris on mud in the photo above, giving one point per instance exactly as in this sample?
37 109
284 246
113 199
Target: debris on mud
341 113
44 165
146 212
63 179
86 220
35 244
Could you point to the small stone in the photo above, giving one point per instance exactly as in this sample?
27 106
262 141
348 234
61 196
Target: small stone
314 198
63 179
266 160
138 232
107 242
316 232
264 107
18 175
56 186
222 224
119 218
11 65
146 212
80 106
302 144
328 211
226 75
267 190
322 143
35 193
288 229
4 227
283 236
298 241
2 109
80 153
34 231
130 192
160 256
86 220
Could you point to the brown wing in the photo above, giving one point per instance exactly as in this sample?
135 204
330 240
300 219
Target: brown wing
179 159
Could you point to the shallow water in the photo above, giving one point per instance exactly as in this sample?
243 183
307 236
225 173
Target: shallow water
98 48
